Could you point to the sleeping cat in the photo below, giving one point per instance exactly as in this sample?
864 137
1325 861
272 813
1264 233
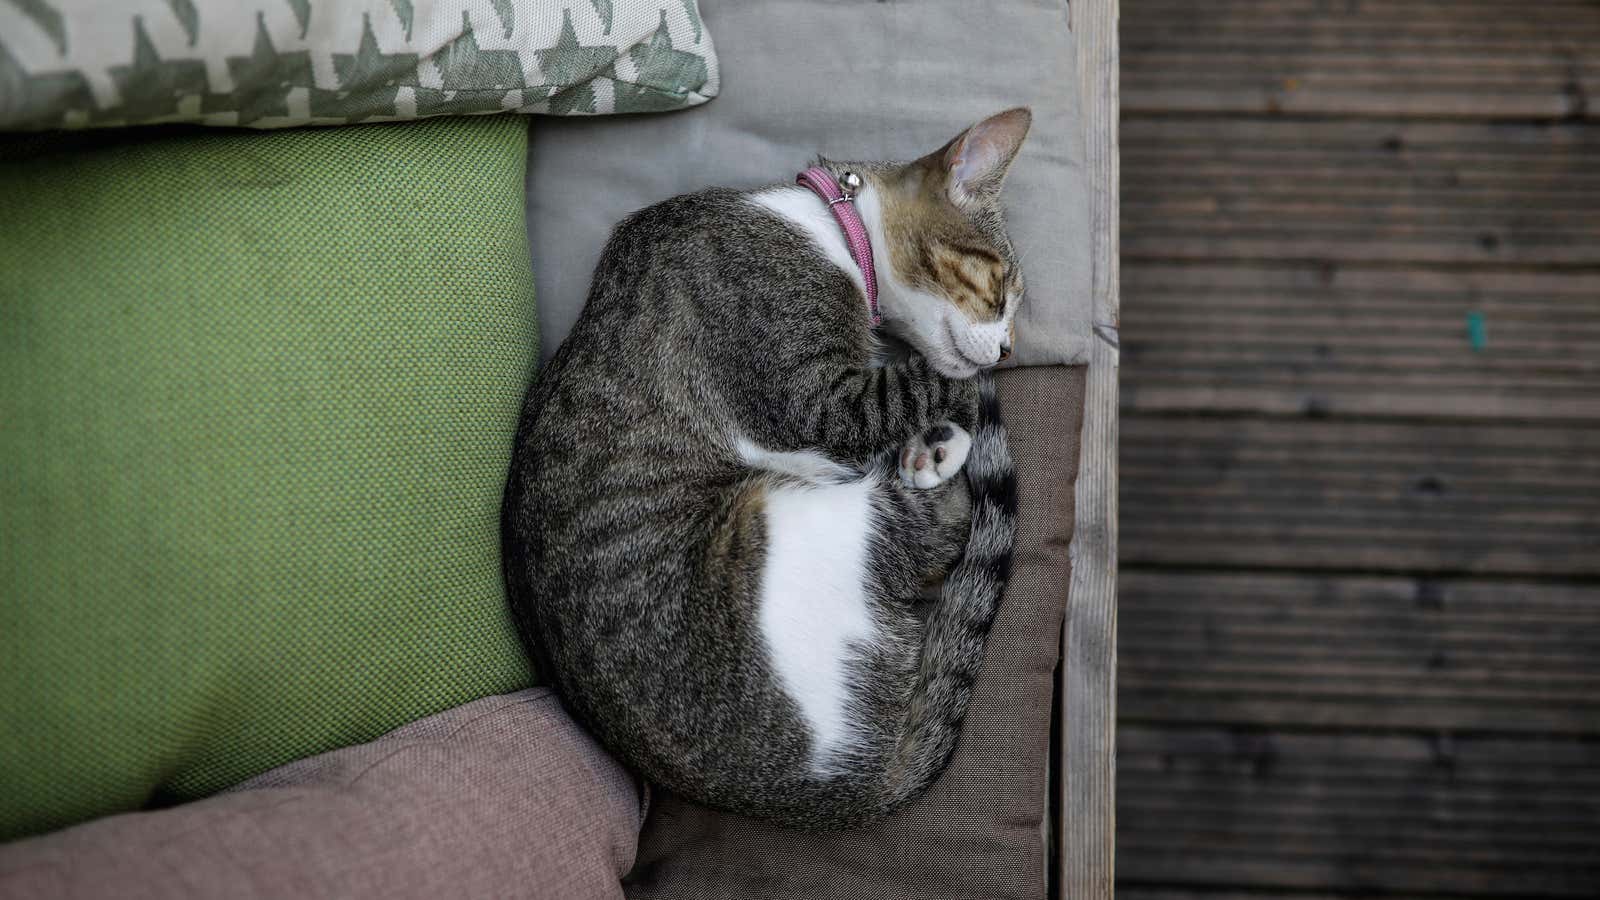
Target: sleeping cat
725 506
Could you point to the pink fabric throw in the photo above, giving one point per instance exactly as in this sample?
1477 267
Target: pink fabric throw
503 797
843 206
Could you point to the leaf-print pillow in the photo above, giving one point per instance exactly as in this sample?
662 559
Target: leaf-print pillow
275 63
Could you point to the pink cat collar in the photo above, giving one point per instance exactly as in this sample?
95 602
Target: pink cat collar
839 194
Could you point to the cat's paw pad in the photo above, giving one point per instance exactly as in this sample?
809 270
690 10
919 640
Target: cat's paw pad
933 458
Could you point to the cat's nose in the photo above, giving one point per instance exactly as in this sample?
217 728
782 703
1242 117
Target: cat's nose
1005 352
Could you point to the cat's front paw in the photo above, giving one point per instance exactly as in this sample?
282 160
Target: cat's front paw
935 456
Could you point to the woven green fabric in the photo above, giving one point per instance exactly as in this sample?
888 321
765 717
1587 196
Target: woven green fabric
258 392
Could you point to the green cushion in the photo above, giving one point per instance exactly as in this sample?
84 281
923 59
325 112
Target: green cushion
258 392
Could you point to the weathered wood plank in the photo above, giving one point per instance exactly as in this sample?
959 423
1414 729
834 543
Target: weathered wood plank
1292 284
1268 809
1328 339
1364 58
1512 195
1401 140
1382 245
1322 135
1165 892
1408 497
1086 840
1299 650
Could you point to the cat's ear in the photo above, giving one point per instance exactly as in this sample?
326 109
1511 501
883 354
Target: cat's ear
975 163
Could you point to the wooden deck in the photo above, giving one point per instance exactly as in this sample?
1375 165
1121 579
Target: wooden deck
1360 556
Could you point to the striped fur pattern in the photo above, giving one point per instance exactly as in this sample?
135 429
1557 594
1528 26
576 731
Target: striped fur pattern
720 536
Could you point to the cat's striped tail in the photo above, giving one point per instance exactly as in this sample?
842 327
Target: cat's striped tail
958 627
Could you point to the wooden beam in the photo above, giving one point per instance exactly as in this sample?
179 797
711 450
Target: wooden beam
1089 649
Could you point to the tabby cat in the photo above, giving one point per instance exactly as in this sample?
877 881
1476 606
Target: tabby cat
726 505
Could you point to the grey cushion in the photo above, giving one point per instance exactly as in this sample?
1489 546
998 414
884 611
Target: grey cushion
849 80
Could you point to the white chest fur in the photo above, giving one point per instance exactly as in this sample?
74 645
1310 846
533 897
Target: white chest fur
814 609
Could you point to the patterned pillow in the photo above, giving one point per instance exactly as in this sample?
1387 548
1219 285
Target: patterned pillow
275 63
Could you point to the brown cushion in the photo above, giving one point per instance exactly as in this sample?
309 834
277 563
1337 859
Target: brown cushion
979 831
503 796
